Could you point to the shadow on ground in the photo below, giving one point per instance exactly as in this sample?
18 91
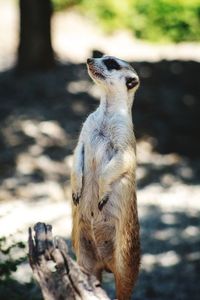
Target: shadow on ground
42 113
40 119
170 266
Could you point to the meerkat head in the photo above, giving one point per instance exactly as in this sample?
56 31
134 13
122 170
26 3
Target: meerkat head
113 74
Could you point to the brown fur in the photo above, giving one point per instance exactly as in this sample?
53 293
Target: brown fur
119 245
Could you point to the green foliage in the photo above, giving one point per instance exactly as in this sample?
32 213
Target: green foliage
9 287
7 263
12 289
155 20
62 4
167 20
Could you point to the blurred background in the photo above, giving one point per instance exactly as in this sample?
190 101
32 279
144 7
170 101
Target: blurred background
46 94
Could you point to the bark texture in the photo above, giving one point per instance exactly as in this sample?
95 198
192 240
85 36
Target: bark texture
58 275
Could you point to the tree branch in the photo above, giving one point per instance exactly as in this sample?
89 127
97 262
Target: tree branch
58 275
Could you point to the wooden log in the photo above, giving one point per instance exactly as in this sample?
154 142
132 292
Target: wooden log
58 275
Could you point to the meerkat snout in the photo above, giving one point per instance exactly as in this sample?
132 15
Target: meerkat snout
89 61
109 71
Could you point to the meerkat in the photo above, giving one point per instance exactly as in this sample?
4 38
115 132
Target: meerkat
105 232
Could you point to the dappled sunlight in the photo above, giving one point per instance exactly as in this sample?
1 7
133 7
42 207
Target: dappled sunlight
38 138
166 234
144 154
81 86
76 87
46 133
49 128
37 174
41 190
169 219
168 170
170 250
190 232
170 244
27 164
23 273
37 186
17 216
167 259
194 256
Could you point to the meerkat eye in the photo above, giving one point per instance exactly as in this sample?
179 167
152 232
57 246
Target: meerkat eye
111 64
131 82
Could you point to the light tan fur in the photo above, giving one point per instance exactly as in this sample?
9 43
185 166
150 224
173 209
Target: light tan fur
105 221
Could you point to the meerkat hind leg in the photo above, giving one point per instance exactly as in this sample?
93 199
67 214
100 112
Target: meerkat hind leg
124 286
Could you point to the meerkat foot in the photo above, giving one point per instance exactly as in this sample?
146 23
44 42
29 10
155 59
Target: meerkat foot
76 198
103 201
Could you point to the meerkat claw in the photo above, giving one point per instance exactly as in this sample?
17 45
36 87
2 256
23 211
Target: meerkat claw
103 201
76 198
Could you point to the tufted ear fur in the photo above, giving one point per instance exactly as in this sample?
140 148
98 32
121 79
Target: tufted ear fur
131 82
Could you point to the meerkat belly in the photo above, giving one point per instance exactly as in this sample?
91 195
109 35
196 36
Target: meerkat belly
98 227
97 153
98 236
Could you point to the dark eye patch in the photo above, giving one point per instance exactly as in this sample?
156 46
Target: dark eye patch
111 64
131 82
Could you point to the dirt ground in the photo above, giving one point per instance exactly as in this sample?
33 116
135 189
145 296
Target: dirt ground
40 119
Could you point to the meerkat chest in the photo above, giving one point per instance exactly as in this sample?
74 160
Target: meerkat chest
103 137
102 143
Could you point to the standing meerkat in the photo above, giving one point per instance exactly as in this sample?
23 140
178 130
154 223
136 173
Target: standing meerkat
105 231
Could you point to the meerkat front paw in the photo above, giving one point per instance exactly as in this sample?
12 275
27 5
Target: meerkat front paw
104 191
102 202
76 184
76 198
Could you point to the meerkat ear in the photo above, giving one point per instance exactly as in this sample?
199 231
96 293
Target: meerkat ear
131 82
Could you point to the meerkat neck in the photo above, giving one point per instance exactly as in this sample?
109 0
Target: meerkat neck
116 103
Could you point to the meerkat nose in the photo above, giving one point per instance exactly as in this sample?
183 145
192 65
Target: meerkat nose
90 61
